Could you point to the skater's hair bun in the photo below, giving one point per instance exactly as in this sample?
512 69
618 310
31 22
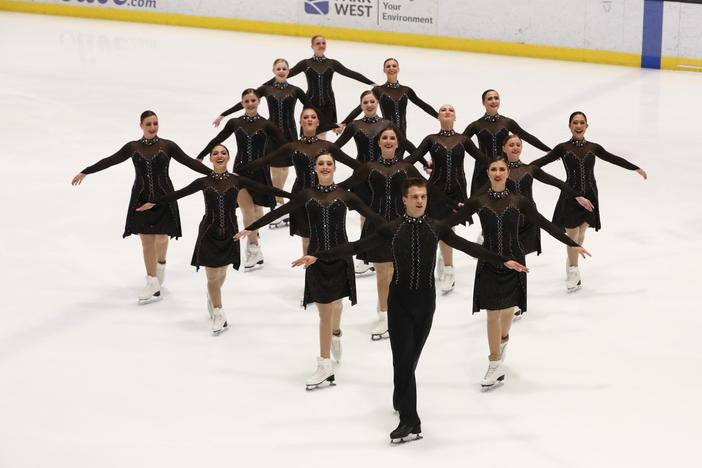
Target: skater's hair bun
250 91
388 59
412 182
575 114
145 115
482 97
314 38
366 93
278 60
219 145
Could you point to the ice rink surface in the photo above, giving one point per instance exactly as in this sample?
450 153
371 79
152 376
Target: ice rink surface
609 376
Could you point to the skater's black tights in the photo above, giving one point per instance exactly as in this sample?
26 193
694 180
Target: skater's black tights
410 315
215 280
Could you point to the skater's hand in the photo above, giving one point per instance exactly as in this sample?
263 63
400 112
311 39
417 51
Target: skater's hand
516 266
78 179
581 250
428 168
642 173
305 261
240 234
585 203
339 129
217 121
146 206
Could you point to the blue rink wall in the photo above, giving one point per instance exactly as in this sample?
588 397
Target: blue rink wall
639 33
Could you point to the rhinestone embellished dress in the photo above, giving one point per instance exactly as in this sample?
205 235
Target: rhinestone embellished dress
491 131
392 100
215 246
496 286
579 158
151 159
303 153
325 208
366 133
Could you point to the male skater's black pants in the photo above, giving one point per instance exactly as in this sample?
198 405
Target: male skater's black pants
410 313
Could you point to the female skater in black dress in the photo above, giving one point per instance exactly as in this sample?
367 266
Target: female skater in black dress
412 239
325 205
381 181
491 130
447 149
254 136
319 71
215 249
281 97
303 153
579 156
151 157
496 289
393 98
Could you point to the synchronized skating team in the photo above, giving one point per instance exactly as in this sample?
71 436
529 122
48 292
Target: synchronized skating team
406 219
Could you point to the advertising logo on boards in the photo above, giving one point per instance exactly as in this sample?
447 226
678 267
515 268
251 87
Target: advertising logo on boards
132 3
317 7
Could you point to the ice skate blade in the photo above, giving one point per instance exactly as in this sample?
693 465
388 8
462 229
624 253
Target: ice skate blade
278 225
518 314
379 336
155 298
575 289
329 379
255 267
222 330
446 291
499 383
404 440
367 271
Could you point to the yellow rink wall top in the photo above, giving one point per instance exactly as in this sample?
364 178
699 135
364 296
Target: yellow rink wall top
356 35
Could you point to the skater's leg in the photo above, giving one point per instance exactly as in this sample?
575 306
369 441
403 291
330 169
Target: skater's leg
248 211
305 245
278 176
506 317
573 233
161 241
337 307
148 245
383 277
325 329
446 254
215 280
494 332
582 229
403 348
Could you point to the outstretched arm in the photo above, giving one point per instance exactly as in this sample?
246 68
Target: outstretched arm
601 153
229 128
263 189
338 67
528 209
552 156
279 155
120 156
420 151
297 201
352 115
194 186
355 203
235 108
526 136
346 135
546 178
359 176
471 248
464 214
421 104
474 152
187 161
342 157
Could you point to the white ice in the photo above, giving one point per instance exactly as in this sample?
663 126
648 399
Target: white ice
609 376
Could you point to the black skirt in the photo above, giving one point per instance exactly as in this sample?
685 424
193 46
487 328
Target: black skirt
214 251
161 219
329 280
262 176
299 223
379 254
498 287
570 214
530 237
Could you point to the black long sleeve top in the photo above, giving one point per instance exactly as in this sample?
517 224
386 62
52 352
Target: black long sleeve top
366 133
392 99
579 158
522 176
413 242
491 131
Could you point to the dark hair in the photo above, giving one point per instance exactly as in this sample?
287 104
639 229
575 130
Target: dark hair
324 153
509 137
388 59
219 144
250 91
576 113
500 158
145 115
412 182
315 37
482 96
366 93
306 108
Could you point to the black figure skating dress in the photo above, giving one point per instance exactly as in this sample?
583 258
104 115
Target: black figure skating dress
447 149
254 136
281 99
491 131
392 99
366 133
325 207
319 72
303 153
579 158
496 286
521 180
215 245
151 159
